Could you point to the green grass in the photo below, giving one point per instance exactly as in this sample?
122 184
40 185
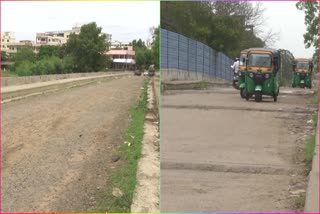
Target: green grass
309 148
314 99
315 119
202 85
124 176
9 74
300 202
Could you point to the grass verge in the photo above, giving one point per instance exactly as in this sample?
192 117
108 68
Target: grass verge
124 176
202 85
314 99
9 74
300 202
309 148
311 142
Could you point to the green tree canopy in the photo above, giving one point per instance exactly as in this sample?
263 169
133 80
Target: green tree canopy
88 49
24 53
155 46
48 51
220 25
140 59
4 56
138 44
310 9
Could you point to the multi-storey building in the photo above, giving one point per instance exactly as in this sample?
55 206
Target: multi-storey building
7 38
122 56
60 37
12 48
55 37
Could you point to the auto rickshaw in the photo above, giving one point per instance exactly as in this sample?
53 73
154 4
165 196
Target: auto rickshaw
242 70
262 73
302 76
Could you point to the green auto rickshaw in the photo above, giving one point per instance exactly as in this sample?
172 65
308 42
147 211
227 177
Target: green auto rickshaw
262 73
302 76
242 69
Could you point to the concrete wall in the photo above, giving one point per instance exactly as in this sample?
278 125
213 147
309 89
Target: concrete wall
182 75
10 81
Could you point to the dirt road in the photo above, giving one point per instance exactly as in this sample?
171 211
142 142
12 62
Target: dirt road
57 148
220 153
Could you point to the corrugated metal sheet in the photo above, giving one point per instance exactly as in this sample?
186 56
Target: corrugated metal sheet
180 52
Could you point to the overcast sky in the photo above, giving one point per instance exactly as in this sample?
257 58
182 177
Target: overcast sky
124 20
131 20
283 17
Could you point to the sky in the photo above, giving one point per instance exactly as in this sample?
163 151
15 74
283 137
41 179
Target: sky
126 21
283 17
131 20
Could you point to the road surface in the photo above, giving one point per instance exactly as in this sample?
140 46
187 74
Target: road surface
57 148
220 153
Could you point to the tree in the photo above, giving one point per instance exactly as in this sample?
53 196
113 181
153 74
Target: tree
310 9
140 59
88 49
48 51
4 56
138 44
24 68
155 46
223 26
24 53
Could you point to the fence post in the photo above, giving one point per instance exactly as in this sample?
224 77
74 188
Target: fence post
188 59
168 51
202 61
196 59
179 54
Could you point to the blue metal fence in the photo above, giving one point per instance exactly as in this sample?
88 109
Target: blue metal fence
184 54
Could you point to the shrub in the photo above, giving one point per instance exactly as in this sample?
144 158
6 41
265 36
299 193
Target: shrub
25 68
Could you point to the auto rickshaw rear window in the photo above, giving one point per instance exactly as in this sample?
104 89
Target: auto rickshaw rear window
260 60
302 65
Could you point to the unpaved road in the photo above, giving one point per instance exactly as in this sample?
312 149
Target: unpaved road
220 153
57 148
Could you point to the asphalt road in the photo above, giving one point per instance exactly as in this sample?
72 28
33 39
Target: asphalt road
57 147
220 153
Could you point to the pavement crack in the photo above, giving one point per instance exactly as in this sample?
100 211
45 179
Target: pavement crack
249 169
235 108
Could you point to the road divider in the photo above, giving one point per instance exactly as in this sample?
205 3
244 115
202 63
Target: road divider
16 92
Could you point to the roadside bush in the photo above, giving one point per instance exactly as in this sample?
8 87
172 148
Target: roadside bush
67 64
25 68
57 64
49 65
39 68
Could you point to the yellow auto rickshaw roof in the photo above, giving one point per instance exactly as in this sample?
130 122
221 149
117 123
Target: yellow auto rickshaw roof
302 60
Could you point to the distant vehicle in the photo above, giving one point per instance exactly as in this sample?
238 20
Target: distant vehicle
241 73
302 69
151 70
137 72
262 73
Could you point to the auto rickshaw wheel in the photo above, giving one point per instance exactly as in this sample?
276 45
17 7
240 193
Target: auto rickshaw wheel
275 98
258 96
243 93
247 95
